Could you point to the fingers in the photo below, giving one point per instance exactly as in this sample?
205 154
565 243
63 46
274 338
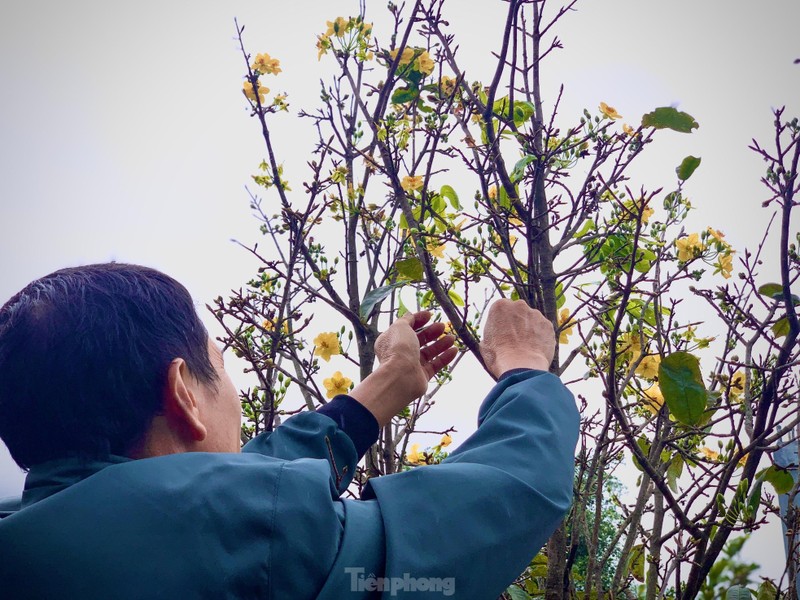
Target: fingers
430 351
418 319
430 333
440 361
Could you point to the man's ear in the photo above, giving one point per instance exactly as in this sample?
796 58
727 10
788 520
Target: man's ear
181 406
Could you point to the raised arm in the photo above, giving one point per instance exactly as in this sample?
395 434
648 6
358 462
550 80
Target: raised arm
342 430
476 520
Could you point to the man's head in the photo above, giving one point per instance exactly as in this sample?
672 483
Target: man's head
110 359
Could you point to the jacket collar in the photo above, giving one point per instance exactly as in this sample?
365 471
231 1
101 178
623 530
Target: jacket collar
53 476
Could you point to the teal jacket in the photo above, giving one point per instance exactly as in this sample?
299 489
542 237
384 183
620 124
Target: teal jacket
270 523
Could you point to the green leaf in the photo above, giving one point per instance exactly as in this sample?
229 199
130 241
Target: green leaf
588 226
522 112
403 95
402 308
560 298
667 117
767 591
687 167
455 298
438 204
674 471
644 446
771 290
505 201
775 291
682 385
449 193
517 593
636 562
780 479
375 297
754 501
519 169
781 327
738 592
409 269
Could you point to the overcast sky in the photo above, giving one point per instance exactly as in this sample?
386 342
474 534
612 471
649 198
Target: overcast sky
124 135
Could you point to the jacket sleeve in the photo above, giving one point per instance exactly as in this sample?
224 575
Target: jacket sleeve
310 435
476 520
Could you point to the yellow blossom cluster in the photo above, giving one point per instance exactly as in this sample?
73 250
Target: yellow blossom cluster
653 398
269 326
693 245
435 250
689 247
736 390
253 90
350 34
417 58
416 457
337 384
326 345
447 85
565 326
412 183
250 93
648 367
266 65
640 209
609 111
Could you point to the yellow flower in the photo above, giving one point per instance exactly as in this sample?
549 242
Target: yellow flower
270 326
492 192
425 64
565 325
337 27
689 247
710 454
648 367
737 386
716 234
415 457
635 207
725 265
653 398
247 88
326 345
447 85
609 111
337 384
266 65
411 183
628 129
406 57
365 28
630 346
323 45
279 102
514 221
436 251
446 441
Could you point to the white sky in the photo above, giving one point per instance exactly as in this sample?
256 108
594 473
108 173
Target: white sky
124 135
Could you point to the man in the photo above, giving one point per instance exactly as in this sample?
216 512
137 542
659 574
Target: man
114 399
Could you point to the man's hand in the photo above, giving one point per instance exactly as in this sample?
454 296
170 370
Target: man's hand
517 336
410 355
